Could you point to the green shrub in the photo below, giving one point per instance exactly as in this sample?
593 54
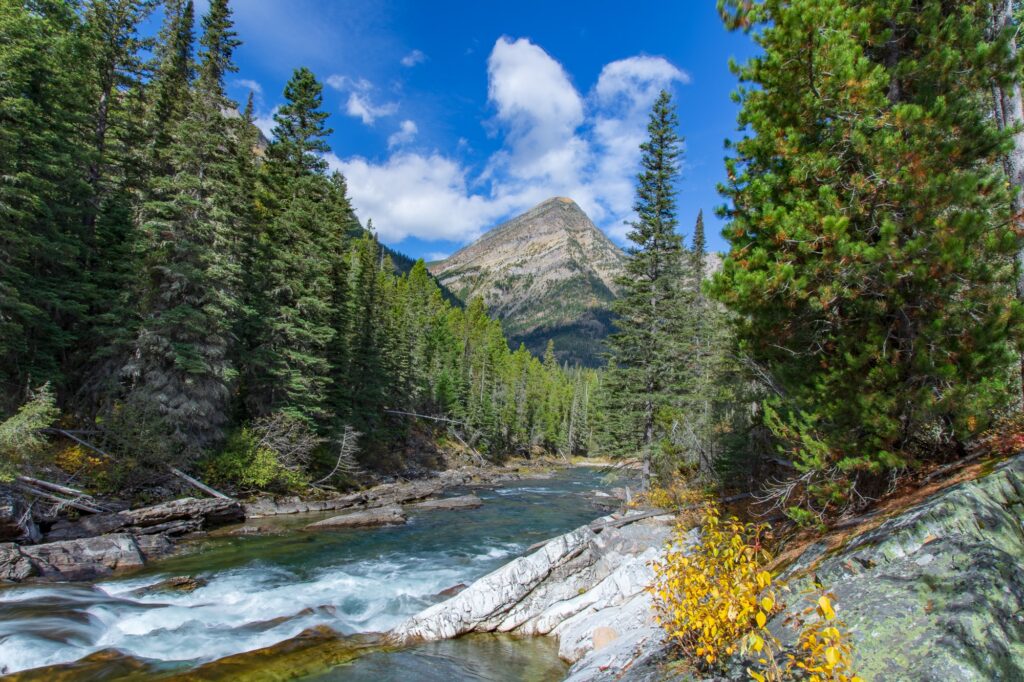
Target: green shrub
247 463
19 434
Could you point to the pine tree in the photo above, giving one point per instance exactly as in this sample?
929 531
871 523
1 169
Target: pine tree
643 345
698 255
174 72
180 369
43 193
289 368
869 226
117 175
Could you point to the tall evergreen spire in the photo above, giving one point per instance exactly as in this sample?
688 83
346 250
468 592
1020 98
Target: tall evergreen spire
181 368
643 348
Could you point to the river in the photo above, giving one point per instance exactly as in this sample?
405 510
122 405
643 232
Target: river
265 590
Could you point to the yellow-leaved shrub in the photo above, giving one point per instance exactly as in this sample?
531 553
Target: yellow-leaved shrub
708 595
715 597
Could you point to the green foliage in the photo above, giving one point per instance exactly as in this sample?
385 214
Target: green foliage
871 262
19 434
179 287
245 463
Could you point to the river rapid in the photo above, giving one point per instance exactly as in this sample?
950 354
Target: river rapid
265 590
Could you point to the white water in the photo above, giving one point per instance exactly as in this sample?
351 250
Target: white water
262 591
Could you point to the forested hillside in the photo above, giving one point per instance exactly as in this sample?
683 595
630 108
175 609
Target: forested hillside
172 286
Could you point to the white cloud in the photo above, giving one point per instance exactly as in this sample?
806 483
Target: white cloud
436 255
266 123
361 107
360 104
249 85
556 141
413 58
346 83
412 194
406 132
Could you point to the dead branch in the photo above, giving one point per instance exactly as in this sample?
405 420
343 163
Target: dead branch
198 484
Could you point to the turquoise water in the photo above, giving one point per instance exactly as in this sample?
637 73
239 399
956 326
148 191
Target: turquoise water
264 590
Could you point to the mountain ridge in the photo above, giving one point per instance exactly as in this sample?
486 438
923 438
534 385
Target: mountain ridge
548 273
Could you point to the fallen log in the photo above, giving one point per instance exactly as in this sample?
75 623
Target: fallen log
198 484
39 483
75 504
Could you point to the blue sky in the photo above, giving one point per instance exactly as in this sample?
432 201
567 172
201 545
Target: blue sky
449 117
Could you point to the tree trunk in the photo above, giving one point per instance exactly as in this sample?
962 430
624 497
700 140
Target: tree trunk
1009 114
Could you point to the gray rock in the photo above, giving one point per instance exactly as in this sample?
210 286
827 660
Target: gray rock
937 592
567 588
154 546
85 559
14 565
211 512
16 523
371 517
461 502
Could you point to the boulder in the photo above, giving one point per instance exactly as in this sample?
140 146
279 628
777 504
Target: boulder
16 523
268 506
461 502
14 565
85 559
383 516
87 526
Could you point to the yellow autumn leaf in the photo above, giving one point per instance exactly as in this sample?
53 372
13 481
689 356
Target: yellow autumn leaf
755 675
825 607
761 619
831 655
767 604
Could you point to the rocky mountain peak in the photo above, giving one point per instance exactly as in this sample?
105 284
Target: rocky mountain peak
547 274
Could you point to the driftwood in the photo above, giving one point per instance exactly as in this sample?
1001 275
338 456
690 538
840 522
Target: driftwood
446 420
198 484
73 503
477 455
85 444
51 486
626 520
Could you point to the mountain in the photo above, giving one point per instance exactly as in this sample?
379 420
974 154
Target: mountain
547 274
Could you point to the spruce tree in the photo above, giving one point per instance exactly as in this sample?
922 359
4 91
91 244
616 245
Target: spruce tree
643 347
289 369
180 368
870 232
43 149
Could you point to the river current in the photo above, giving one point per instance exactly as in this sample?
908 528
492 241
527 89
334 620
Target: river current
263 590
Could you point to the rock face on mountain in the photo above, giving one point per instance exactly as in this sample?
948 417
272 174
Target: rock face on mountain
548 274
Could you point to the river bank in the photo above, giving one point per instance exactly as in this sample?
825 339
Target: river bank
262 590
98 545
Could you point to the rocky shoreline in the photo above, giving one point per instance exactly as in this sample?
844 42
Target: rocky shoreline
587 588
98 545
932 591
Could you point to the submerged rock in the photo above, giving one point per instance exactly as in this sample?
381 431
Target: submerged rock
371 517
461 502
178 583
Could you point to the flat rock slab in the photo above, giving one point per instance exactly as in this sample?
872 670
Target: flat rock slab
85 559
460 502
383 516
